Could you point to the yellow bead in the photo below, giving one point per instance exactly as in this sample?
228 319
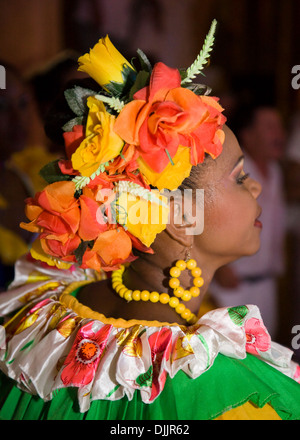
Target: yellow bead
196 272
179 291
154 297
192 319
173 302
145 295
180 308
174 282
122 291
136 295
186 314
164 298
195 291
191 264
186 295
128 295
175 272
198 281
116 284
181 264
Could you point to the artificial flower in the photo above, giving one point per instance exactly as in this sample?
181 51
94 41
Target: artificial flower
91 224
142 218
101 143
38 253
73 139
111 248
164 116
104 63
173 175
126 161
55 214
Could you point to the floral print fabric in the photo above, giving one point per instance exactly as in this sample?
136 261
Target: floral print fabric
48 346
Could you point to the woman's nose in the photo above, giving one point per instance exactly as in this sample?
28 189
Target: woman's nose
254 187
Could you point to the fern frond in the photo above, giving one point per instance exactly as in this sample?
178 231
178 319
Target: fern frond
202 58
82 181
114 103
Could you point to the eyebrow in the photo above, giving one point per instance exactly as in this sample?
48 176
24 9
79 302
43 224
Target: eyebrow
238 162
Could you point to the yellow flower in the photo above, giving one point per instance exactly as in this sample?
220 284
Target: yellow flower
104 63
173 175
101 143
144 219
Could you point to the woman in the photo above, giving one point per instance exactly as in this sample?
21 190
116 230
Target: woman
127 346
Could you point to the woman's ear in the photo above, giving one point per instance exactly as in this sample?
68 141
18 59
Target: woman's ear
178 225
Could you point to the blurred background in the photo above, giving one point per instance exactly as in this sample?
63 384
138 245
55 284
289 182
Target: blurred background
257 45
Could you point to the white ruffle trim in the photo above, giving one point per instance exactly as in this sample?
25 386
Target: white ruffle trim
48 346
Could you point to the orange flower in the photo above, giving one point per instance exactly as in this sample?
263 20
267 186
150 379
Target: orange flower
111 248
164 116
90 226
55 214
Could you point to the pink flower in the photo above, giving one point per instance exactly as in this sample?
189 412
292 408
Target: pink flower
257 336
82 361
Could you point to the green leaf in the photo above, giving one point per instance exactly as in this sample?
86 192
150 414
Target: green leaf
119 90
76 99
145 379
75 121
52 173
142 80
145 63
238 314
81 250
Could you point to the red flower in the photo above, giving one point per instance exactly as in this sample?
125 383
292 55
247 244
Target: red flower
73 139
82 361
257 336
165 115
160 343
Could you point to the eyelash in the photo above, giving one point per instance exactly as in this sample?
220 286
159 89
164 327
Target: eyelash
241 180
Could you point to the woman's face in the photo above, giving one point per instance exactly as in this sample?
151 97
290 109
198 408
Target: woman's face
231 210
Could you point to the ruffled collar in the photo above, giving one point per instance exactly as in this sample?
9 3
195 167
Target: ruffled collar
53 342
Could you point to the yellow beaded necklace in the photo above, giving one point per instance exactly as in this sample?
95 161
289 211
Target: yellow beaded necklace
165 298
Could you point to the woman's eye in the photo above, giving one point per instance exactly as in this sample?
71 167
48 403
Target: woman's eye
241 179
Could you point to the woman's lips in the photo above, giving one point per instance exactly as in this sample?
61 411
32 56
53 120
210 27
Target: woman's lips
258 224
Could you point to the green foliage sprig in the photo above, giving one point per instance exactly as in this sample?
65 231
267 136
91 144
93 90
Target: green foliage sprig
203 56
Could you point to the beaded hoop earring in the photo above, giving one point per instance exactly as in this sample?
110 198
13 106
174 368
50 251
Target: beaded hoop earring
164 298
174 282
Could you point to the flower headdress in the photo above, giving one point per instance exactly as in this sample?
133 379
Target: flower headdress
140 133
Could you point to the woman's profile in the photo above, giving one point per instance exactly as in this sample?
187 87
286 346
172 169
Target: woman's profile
103 320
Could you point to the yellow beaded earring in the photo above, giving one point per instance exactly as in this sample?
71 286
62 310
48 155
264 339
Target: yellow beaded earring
174 282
